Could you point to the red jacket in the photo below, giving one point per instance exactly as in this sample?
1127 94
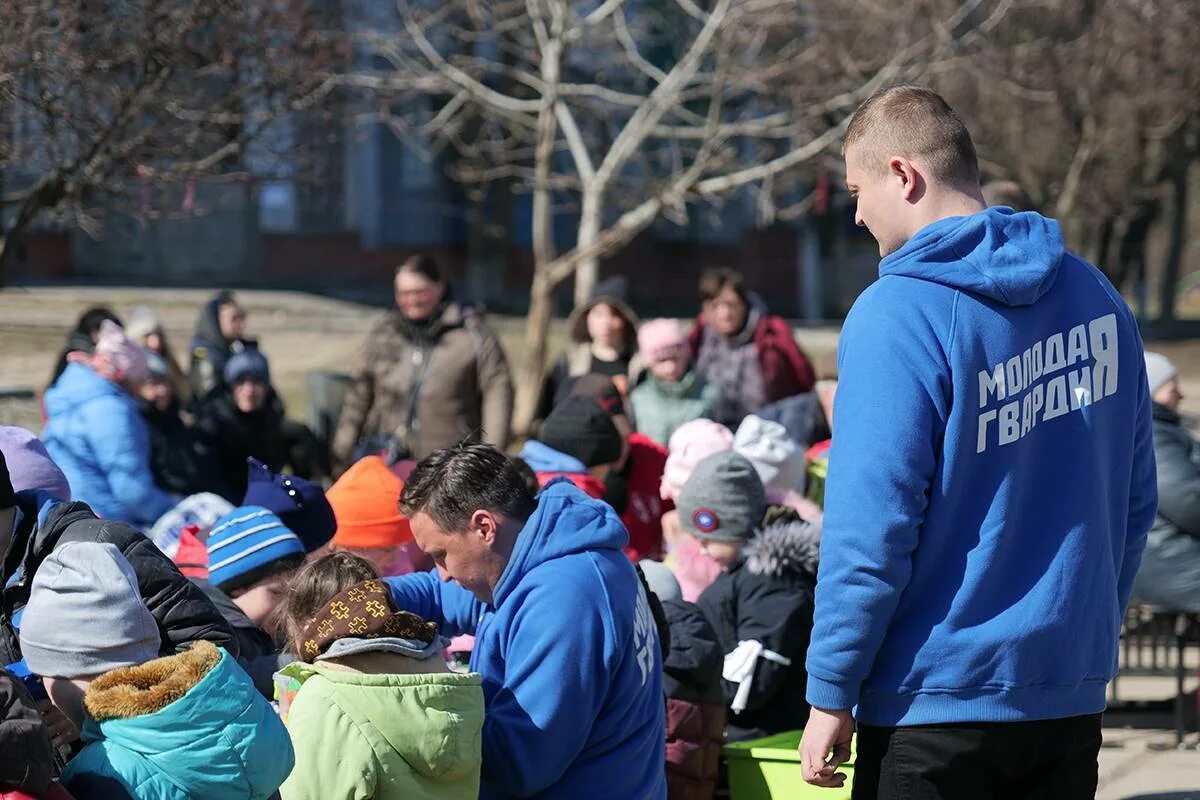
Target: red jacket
643 512
590 486
785 369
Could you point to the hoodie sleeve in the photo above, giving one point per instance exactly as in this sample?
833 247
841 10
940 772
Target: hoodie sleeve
455 610
1143 491
890 411
553 687
122 450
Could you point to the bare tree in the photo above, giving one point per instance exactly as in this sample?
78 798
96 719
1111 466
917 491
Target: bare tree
622 113
103 100
1093 108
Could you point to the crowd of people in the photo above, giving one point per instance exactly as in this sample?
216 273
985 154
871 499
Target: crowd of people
203 599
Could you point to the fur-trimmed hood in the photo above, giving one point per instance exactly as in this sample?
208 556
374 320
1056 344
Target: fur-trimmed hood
188 725
792 547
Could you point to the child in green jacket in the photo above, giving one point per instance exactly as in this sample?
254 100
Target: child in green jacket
673 392
378 714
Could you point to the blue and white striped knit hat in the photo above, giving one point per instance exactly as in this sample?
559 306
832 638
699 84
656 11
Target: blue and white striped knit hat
248 544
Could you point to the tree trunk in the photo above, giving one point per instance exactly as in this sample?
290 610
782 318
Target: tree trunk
529 381
1169 288
46 195
591 213
541 291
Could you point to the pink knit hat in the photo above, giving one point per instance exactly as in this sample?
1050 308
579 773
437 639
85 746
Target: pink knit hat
690 444
660 338
124 357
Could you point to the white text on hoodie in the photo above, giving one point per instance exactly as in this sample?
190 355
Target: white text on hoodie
1024 389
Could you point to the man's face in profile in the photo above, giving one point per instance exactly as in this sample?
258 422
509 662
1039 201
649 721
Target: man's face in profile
469 557
879 204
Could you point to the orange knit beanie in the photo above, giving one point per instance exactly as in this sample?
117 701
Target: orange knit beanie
366 502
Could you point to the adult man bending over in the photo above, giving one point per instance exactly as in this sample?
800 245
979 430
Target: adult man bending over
565 638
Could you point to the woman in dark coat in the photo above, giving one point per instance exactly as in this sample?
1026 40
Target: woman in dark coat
743 349
1170 573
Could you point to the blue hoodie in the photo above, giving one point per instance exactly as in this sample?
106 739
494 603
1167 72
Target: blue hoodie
990 485
98 439
569 654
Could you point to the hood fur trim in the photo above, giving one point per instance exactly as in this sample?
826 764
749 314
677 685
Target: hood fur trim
781 549
146 688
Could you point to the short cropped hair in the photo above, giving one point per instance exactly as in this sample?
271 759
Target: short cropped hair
715 281
452 484
913 122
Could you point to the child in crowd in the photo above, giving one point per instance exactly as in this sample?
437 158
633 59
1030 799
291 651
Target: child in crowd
761 605
243 419
378 714
578 441
300 503
366 503
251 557
673 393
690 444
188 725
632 485
692 684
96 435
779 462
603 341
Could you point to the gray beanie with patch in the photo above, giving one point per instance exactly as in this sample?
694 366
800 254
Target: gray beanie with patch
85 615
723 499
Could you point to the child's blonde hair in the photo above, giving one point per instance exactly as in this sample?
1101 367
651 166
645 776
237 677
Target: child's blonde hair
315 585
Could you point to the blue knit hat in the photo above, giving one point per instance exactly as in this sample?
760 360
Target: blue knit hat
247 363
248 544
299 503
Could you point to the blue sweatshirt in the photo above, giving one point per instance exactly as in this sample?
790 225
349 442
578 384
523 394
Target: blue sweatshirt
569 654
990 486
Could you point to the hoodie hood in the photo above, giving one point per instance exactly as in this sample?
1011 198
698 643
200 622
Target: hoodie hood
578 523
196 720
433 722
77 386
791 548
1012 258
208 325
543 458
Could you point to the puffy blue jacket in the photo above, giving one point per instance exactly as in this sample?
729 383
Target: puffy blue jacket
191 725
98 439
569 654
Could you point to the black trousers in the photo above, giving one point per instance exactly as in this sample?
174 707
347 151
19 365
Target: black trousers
1042 760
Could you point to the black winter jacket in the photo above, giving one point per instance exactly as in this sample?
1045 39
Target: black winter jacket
26 757
178 461
184 615
768 597
259 655
231 437
1170 572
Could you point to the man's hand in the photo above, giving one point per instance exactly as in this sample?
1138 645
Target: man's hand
826 732
62 730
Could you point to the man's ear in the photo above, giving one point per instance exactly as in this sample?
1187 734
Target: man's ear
484 525
903 170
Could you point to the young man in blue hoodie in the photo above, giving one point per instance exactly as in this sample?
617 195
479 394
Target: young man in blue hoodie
565 637
989 492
